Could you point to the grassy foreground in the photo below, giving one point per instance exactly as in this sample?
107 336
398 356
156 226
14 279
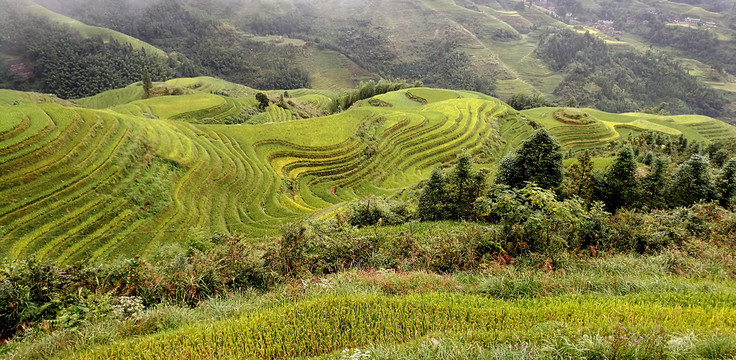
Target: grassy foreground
333 323
674 306
418 290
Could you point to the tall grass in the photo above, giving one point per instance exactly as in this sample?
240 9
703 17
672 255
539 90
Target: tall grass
323 325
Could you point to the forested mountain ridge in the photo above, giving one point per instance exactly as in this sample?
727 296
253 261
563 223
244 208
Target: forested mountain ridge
495 47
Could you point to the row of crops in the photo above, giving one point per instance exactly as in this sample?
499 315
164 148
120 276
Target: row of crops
607 127
83 184
329 324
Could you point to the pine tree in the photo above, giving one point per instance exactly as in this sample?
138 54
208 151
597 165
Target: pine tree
727 183
656 182
538 160
432 201
692 182
621 187
466 185
147 84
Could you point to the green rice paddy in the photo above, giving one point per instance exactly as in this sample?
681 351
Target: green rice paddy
123 180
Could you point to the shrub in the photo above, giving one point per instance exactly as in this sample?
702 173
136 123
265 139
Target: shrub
532 219
373 210
32 292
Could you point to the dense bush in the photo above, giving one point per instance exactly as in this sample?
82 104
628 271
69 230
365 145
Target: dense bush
532 219
33 292
373 210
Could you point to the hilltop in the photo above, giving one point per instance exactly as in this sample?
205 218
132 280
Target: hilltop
123 176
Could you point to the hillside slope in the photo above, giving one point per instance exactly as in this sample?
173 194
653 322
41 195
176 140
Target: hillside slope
91 184
494 47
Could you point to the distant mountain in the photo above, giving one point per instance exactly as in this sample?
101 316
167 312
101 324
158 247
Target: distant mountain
487 46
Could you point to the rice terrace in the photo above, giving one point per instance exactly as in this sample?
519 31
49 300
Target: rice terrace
123 180
429 179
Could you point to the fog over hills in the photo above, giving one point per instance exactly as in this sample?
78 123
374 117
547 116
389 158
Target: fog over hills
496 47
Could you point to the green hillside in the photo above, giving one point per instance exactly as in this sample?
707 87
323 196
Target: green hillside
92 31
495 47
92 184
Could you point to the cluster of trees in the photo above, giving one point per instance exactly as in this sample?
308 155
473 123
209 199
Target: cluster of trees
523 101
623 81
366 90
699 44
441 64
661 184
71 66
453 196
535 205
199 44
444 65
65 63
362 42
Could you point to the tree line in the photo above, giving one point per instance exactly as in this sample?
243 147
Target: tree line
623 81
71 66
661 183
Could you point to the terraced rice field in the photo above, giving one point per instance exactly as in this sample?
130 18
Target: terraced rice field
95 184
608 127
83 184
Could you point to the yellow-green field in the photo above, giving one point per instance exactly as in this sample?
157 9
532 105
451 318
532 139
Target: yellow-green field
609 127
117 181
328 325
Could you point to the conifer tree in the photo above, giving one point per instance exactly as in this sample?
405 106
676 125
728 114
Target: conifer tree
692 182
432 201
467 185
655 183
538 160
727 183
621 187
147 84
